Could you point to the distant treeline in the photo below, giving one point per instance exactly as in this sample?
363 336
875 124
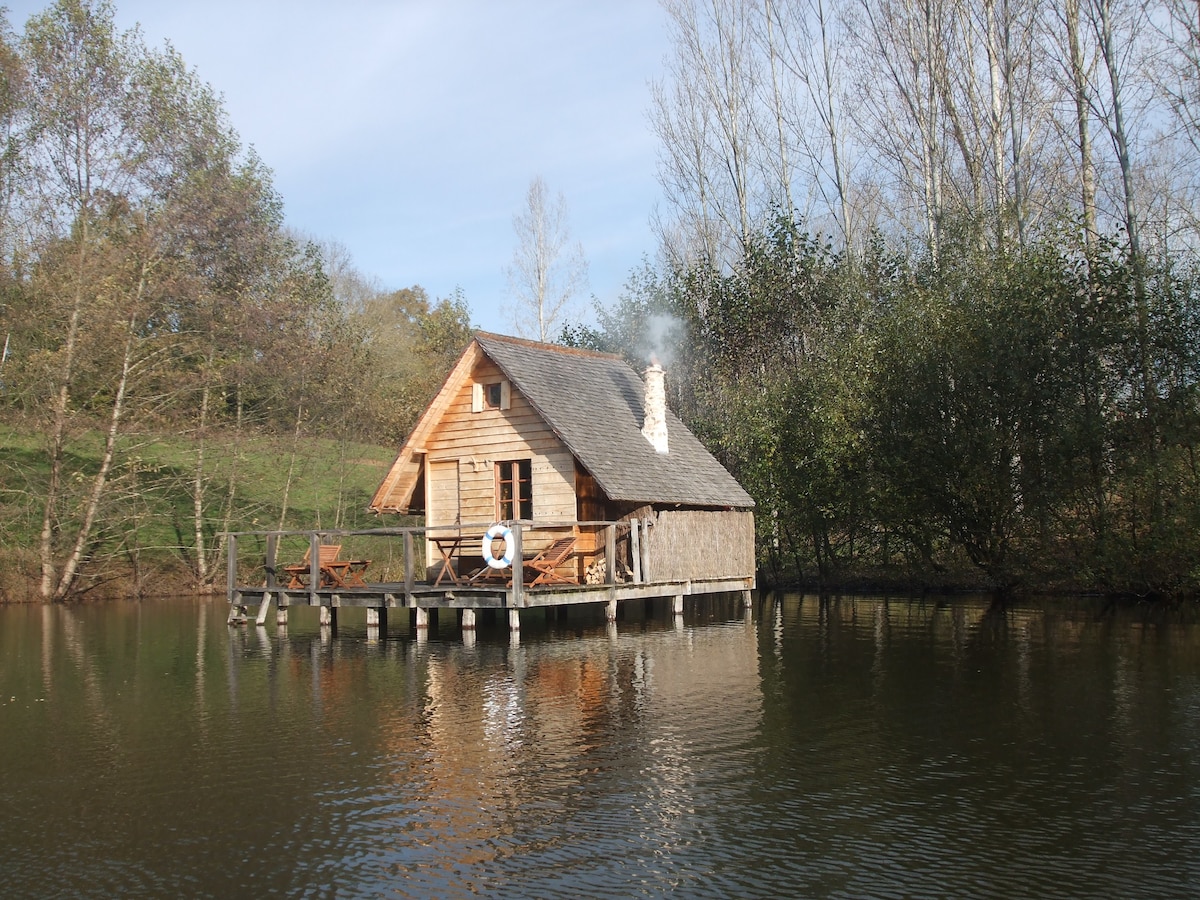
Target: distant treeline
975 341
1031 412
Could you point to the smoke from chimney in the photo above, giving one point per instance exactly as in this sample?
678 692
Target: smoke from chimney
654 425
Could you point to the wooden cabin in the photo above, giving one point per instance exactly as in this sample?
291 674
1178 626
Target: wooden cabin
563 440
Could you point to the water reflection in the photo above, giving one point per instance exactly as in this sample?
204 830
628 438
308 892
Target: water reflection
850 746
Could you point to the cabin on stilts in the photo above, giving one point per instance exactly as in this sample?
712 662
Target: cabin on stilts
549 475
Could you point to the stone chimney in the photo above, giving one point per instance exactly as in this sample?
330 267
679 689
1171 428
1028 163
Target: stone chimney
654 425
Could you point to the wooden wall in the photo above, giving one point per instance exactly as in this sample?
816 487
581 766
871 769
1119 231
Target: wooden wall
478 440
701 544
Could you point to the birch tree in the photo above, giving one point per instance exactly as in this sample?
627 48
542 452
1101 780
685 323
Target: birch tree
548 269
120 147
81 133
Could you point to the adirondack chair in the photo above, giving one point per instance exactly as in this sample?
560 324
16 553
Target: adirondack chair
546 563
328 554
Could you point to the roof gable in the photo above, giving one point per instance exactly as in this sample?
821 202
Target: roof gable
593 402
395 493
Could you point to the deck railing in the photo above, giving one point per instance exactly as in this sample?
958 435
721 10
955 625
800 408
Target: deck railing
454 544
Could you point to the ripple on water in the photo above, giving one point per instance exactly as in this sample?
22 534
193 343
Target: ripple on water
856 749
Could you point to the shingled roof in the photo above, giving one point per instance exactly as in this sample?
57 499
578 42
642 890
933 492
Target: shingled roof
594 403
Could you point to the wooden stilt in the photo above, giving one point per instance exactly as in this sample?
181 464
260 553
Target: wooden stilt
237 609
324 616
468 620
281 615
610 611
677 604
514 620
421 621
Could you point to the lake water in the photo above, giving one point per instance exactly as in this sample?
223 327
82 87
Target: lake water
853 748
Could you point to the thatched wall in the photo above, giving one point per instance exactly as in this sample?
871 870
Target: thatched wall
700 544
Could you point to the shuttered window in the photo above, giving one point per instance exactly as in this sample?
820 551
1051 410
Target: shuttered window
491 395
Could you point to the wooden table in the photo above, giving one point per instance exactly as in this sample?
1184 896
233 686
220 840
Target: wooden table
334 573
448 545
344 573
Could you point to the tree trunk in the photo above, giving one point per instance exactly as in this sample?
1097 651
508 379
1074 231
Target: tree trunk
198 479
58 432
66 582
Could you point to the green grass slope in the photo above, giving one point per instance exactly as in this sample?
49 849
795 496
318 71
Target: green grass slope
146 521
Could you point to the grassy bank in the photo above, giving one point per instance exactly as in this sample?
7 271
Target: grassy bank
145 539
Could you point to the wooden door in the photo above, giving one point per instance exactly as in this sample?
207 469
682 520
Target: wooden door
442 499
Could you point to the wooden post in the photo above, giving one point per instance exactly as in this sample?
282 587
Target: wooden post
610 611
468 620
231 568
272 550
747 599
635 549
269 564
314 567
263 607
422 615
518 567
325 615
514 620
646 573
281 615
408 566
610 554
677 604
372 617
237 604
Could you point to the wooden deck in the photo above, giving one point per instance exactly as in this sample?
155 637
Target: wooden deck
253 583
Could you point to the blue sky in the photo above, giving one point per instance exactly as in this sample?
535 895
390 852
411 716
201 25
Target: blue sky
409 131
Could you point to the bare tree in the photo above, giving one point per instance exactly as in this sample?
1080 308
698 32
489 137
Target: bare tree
808 39
983 110
706 117
901 46
1078 68
547 270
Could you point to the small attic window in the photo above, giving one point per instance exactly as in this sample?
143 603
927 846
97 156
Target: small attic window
490 395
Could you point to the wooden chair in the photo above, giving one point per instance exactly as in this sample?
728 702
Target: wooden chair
328 556
546 563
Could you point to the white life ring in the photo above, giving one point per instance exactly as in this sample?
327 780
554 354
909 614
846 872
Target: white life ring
498 531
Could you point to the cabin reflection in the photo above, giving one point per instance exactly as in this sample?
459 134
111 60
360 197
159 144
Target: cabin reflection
495 729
